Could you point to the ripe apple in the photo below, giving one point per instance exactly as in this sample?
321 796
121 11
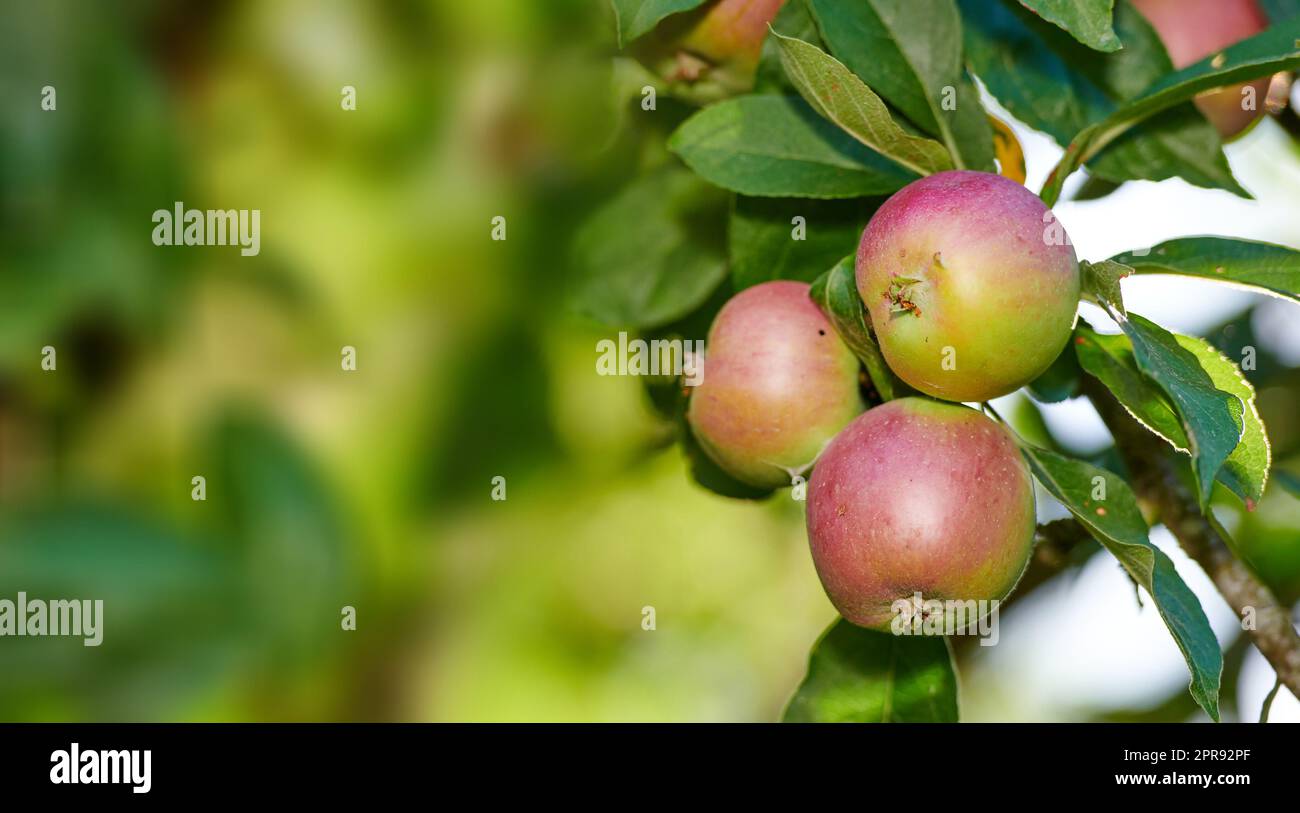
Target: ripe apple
971 284
919 496
777 385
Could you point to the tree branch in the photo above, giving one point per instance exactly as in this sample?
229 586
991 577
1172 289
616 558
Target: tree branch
1156 479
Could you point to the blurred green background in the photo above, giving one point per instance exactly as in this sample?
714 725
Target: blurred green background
372 488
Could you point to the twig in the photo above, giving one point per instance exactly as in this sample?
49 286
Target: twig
1268 701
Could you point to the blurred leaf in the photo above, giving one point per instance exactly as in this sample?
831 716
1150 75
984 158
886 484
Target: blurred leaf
777 146
762 243
1059 382
1054 84
171 603
835 93
836 293
1261 55
636 17
653 253
1281 10
793 20
1246 262
1116 522
857 675
1088 21
1289 480
909 52
276 505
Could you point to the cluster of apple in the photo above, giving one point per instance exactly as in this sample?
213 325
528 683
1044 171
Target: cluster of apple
970 297
971 292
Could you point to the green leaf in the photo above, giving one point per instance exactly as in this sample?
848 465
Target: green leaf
1110 359
1245 471
1290 481
635 17
1088 21
1265 266
1264 54
1101 282
909 52
793 20
763 231
1212 419
653 253
1058 382
836 293
1054 84
1280 10
777 146
857 675
838 95
1116 522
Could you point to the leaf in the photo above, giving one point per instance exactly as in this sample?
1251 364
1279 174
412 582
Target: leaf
1245 471
793 20
909 52
1007 151
634 18
1109 358
653 253
836 293
762 240
777 146
857 675
834 92
1264 54
1059 381
1054 84
1265 266
1274 49
1280 10
1212 418
1101 282
1088 21
1290 481
1116 522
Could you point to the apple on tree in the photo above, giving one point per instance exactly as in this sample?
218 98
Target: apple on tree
778 384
